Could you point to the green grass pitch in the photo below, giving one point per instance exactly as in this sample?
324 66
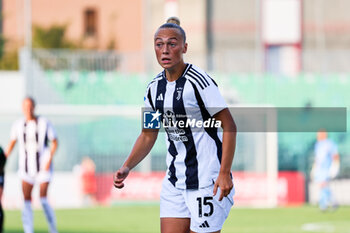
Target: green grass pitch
143 218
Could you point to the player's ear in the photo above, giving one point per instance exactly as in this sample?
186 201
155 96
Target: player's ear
185 48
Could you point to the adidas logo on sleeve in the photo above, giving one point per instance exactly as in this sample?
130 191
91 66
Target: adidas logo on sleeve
160 97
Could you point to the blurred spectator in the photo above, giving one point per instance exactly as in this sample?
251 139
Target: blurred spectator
88 181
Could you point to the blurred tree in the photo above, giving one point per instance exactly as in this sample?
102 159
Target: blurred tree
2 45
52 37
111 45
9 60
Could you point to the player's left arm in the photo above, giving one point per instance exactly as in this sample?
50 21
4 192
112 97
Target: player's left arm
10 147
53 148
224 180
53 145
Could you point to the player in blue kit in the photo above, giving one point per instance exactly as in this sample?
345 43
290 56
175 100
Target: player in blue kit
197 192
325 168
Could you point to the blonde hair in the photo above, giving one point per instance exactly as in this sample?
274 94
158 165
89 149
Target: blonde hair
174 22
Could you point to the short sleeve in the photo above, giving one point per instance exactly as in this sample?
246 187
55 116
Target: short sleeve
51 133
207 89
212 98
147 98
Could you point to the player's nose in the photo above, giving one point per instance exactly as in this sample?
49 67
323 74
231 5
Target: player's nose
165 49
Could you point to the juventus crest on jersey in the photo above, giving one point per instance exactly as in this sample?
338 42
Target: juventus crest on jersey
194 96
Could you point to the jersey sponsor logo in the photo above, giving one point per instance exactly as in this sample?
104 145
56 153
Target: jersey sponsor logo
177 137
160 97
169 123
151 119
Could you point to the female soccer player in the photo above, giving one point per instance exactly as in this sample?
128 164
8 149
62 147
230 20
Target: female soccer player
35 158
197 193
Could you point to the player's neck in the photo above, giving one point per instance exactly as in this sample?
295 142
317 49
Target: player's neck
174 73
31 118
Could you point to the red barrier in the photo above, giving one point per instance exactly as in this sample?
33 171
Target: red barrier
295 194
250 188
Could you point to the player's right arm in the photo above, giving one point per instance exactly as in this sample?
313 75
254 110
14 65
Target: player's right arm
9 148
13 140
141 149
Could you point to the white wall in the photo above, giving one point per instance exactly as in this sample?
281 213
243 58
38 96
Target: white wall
11 95
64 191
11 91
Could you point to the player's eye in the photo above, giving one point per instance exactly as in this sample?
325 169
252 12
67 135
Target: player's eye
159 45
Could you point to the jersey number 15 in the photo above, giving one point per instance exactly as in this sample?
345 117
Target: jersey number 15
205 201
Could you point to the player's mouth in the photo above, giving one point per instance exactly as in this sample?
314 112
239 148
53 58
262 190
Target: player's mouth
166 60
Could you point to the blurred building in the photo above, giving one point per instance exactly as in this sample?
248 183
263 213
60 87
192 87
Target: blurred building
84 92
222 35
93 24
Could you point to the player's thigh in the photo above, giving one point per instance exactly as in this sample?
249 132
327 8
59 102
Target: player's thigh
175 225
27 190
208 214
43 189
44 178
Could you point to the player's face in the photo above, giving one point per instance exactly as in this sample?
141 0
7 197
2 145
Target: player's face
321 135
28 109
169 47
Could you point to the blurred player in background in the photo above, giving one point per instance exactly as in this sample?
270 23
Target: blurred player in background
88 181
2 180
197 193
325 168
35 160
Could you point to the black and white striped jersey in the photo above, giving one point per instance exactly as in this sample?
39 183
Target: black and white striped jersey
33 137
193 156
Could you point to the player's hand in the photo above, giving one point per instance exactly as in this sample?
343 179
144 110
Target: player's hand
120 176
334 169
224 182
